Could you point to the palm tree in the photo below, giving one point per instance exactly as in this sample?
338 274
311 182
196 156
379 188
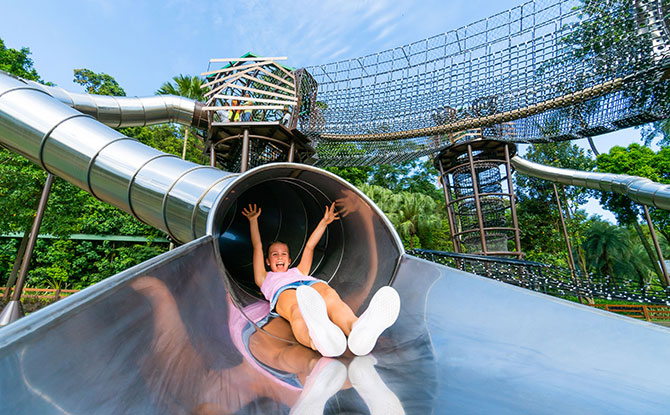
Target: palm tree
185 86
414 214
382 196
608 250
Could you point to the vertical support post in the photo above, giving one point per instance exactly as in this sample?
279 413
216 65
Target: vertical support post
183 151
571 259
475 192
654 239
13 310
512 199
244 163
212 156
447 199
293 122
291 152
17 265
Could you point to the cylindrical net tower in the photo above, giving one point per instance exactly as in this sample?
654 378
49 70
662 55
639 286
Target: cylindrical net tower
479 194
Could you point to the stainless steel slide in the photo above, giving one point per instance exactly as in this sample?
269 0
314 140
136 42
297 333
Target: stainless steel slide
187 333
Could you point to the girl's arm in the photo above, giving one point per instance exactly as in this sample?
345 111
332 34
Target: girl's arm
252 213
315 237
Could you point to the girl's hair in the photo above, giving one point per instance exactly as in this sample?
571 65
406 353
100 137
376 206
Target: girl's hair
267 251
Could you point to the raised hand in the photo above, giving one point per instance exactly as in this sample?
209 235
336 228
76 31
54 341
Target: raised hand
330 215
251 212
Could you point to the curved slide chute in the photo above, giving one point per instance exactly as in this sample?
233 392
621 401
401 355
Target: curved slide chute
638 189
186 332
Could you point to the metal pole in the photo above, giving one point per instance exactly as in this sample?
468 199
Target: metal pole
447 199
475 192
593 147
183 151
13 310
244 164
291 152
512 199
571 260
17 265
652 231
212 156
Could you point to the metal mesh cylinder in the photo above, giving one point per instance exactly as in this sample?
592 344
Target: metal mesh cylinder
479 197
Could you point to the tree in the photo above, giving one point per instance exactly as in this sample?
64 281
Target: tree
17 62
637 160
612 38
608 250
415 176
70 211
541 235
414 215
98 83
185 86
354 175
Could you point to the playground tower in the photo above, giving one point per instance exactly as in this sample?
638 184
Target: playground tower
255 107
479 195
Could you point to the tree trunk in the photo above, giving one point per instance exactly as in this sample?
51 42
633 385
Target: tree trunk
650 253
580 251
17 264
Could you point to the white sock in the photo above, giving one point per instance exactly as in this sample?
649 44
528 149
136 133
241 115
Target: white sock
380 315
328 339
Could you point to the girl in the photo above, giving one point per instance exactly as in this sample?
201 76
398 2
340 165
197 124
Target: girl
318 317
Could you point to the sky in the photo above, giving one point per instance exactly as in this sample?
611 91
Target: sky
143 44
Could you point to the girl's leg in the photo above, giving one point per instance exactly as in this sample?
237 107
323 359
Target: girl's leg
338 311
310 322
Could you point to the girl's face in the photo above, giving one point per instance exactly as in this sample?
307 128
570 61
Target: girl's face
278 259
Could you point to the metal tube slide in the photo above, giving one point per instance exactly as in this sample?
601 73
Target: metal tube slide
188 201
117 112
639 189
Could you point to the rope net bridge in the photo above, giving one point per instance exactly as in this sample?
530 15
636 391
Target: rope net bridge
543 71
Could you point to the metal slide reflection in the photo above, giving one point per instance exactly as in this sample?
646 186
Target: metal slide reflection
165 338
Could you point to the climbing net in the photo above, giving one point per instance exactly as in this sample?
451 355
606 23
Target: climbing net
542 71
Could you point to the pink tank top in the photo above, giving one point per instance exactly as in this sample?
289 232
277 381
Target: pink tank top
275 280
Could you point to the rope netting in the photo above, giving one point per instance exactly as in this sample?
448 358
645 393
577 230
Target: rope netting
542 71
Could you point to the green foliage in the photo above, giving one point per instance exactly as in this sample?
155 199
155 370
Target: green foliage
98 83
636 160
562 154
611 37
542 237
415 216
608 250
415 176
70 210
185 86
17 62
167 138
354 175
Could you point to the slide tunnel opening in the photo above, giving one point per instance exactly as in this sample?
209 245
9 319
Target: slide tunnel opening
357 255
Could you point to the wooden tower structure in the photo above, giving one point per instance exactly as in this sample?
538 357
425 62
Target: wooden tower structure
254 106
